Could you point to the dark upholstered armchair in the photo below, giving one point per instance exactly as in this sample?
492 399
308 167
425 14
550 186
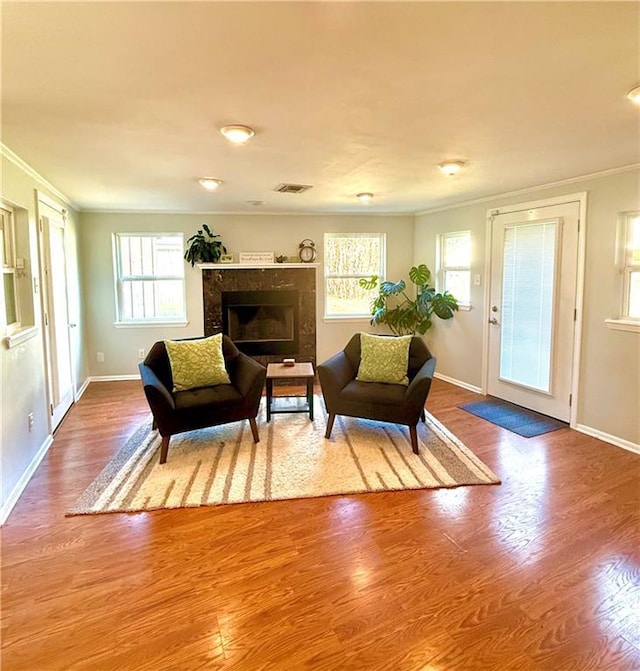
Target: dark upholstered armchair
180 411
344 395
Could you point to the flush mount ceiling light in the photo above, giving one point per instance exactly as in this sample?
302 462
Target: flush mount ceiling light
209 183
634 95
451 167
237 134
364 197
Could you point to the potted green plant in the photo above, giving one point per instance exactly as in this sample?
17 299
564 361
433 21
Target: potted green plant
402 314
204 247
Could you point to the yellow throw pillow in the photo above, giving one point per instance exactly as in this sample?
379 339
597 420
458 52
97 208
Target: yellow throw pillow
384 359
197 363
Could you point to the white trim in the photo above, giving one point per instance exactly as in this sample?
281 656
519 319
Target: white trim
347 319
20 336
541 187
458 383
20 486
579 307
488 244
576 197
52 203
251 266
34 174
16 160
82 389
608 438
149 324
112 378
623 325
254 213
581 199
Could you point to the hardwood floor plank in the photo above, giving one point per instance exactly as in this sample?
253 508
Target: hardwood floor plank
541 572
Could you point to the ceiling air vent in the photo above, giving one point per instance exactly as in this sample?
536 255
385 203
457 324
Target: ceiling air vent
292 188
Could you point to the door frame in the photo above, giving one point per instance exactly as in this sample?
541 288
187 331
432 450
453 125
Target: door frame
43 199
581 199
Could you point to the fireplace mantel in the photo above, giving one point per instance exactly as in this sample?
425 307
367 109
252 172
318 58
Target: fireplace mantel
253 266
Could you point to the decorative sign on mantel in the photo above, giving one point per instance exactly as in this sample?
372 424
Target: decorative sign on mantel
257 257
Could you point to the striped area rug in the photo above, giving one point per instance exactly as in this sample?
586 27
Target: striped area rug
222 465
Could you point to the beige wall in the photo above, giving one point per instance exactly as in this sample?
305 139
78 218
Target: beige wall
278 233
22 367
609 391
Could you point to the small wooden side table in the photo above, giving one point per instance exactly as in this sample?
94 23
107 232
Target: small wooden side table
278 371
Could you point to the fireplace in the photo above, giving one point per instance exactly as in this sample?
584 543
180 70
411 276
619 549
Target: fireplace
261 322
272 309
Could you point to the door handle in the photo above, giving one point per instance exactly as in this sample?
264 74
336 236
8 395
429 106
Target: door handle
493 321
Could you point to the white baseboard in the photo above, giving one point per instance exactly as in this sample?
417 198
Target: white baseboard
13 497
112 378
82 389
458 383
608 438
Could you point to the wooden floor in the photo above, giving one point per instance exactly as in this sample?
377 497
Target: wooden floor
541 572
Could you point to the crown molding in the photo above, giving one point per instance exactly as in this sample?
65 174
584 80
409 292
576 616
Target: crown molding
247 213
34 174
541 187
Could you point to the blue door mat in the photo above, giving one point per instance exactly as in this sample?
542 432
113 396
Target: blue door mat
524 422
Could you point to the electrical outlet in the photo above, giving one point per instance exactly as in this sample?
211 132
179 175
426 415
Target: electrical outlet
30 421
141 353
100 357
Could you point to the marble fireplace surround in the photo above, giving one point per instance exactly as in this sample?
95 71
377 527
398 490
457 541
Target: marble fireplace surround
218 278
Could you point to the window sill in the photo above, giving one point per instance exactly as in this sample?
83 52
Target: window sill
464 307
346 319
20 336
623 325
149 324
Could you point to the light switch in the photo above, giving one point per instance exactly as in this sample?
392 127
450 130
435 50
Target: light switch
476 279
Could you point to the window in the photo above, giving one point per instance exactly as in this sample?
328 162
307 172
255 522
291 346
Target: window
454 265
348 257
631 270
149 277
10 316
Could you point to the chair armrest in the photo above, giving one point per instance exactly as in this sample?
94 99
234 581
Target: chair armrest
159 397
248 375
335 374
416 393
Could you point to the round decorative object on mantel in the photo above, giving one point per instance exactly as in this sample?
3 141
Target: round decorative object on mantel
307 251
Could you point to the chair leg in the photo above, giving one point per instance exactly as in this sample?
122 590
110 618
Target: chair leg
327 433
414 439
254 429
164 448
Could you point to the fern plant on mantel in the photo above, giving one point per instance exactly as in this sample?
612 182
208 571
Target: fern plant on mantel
204 247
403 315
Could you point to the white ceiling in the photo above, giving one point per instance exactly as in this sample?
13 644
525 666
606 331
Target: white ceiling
119 104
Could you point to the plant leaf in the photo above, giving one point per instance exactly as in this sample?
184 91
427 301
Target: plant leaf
444 305
424 326
420 275
392 288
368 283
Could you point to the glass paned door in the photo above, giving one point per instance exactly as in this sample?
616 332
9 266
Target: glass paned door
531 315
